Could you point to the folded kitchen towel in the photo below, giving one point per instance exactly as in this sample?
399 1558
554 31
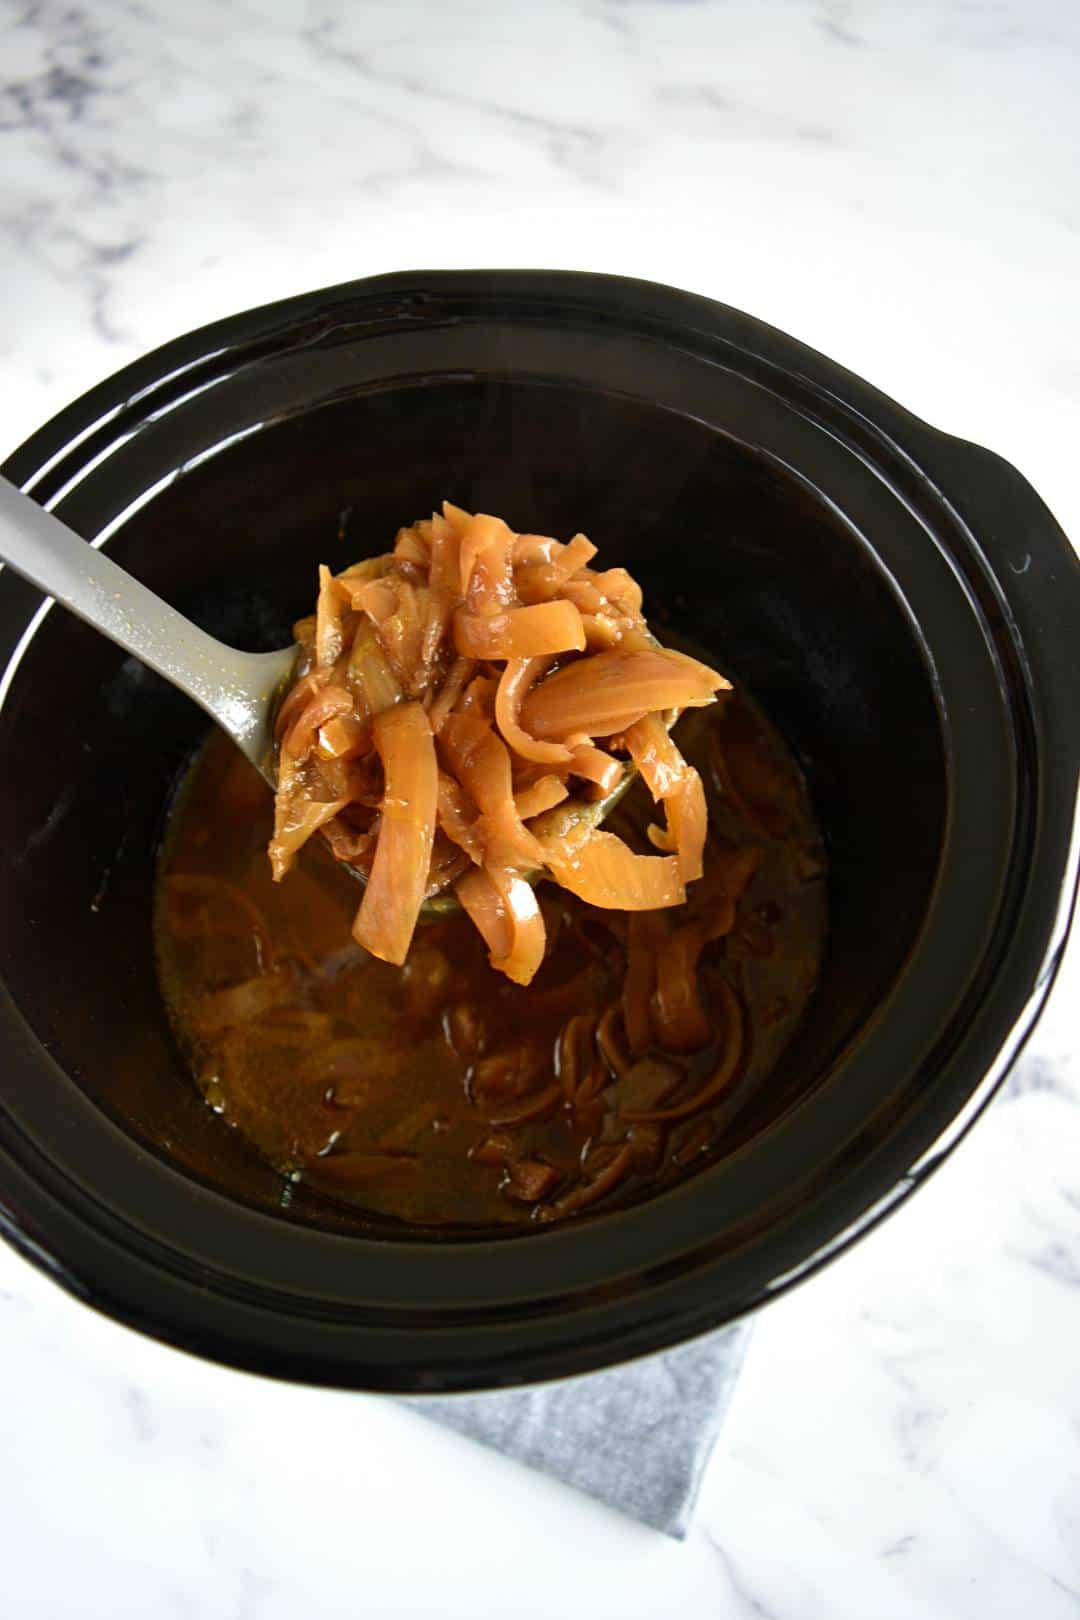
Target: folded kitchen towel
637 1437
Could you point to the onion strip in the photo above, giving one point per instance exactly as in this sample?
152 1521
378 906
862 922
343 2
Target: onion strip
609 691
725 1068
520 632
396 886
515 683
606 872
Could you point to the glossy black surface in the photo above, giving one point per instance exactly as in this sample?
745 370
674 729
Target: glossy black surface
864 574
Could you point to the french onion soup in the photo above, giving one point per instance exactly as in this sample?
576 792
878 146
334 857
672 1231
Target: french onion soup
451 995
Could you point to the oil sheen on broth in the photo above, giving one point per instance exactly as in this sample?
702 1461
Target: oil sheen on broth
440 1093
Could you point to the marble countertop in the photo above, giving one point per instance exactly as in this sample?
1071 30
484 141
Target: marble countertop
894 185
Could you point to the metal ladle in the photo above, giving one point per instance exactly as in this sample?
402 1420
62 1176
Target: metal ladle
238 690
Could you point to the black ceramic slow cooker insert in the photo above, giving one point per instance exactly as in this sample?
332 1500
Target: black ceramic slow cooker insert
902 604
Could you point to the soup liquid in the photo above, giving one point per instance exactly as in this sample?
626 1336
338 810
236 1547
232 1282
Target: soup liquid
437 1092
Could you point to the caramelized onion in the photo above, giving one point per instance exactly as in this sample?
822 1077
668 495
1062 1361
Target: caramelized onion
374 683
574 1052
461 673
486 562
327 704
609 691
458 820
589 1191
414 545
593 765
516 681
481 762
645 930
396 886
688 823
445 569
343 737
605 872
329 616
477 637
521 632
725 1068
679 1017
543 794
676 785
484 904
296 698
542 576
529 1179
526 924
505 910
295 821
534 1107
653 751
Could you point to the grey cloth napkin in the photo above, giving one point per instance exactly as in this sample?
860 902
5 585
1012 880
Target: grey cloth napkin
637 1437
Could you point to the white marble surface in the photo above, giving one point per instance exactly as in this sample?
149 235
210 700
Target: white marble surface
897 185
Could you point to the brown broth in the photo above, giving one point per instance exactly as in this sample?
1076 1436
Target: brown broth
378 1085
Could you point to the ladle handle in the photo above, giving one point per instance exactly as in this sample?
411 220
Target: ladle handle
226 683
